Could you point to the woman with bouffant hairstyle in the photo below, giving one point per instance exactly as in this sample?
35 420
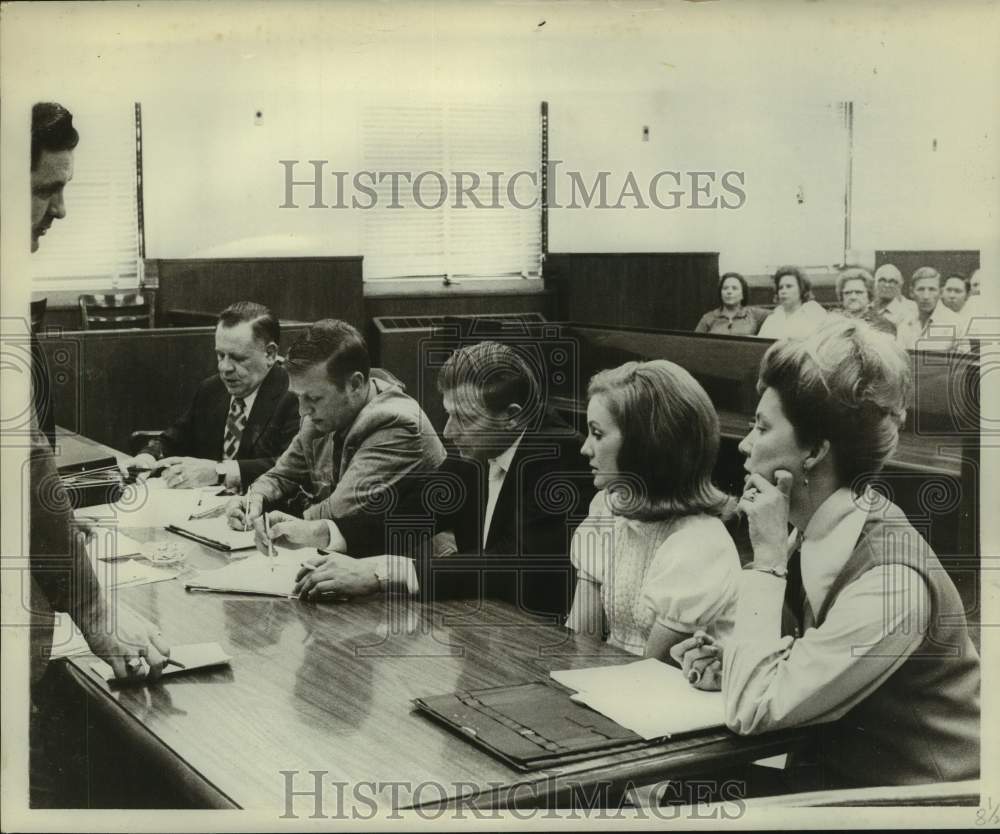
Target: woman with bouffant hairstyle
849 622
654 560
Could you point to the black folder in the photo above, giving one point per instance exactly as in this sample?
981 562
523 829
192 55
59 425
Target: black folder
530 725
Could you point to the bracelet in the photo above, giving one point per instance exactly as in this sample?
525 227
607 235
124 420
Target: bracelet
781 573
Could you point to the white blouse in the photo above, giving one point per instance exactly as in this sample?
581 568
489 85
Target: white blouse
681 572
803 322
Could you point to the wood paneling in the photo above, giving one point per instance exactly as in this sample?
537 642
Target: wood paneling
669 290
302 289
945 261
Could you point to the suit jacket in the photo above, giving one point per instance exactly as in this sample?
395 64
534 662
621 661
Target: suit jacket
525 560
62 577
272 423
350 475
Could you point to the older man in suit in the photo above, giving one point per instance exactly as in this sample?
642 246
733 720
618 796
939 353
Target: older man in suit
360 435
241 419
503 509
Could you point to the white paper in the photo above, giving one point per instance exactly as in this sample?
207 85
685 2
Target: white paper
193 656
648 697
67 639
259 574
130 573
148 504
108 544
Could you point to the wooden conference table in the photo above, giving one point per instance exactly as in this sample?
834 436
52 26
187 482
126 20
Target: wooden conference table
326 689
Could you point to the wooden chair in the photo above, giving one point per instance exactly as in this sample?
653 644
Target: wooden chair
114 311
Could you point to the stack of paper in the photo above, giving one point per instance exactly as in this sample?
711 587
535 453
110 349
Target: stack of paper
648 697
130 573
259 574
149 504
108 544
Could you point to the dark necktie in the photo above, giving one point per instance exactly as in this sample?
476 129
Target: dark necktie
235 423
793 610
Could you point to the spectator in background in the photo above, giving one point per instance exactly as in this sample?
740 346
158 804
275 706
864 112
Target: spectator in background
938 326
978 320
955 292
890 304
796 315
855 291
733 316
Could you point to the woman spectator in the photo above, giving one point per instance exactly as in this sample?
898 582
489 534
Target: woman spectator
855 292
654 560
796 315
850 622
733 316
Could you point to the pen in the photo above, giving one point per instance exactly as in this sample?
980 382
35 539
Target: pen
270 543
211 511
171 662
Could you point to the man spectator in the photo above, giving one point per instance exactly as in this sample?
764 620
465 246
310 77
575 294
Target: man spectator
520 487
855 290
360 435
241 419
955 292
939 327
890 303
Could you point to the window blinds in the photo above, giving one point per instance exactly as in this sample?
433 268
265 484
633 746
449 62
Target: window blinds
466 200
95 247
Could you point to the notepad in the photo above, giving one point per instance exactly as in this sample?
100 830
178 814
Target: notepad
128 573
214 532
193 656
649 697
108 544
148 504
258 574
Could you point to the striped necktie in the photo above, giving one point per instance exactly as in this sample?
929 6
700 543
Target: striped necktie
236 421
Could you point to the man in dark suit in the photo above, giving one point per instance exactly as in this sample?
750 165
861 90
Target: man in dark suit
241 419
502 508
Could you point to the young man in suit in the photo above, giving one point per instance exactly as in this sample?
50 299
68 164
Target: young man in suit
62 577
504 506
241 419
360 435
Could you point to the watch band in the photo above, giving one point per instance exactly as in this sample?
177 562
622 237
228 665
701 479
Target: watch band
781 573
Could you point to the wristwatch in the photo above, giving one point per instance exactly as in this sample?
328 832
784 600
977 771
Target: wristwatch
781 573
220 473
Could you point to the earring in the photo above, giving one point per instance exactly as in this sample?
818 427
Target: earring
805 480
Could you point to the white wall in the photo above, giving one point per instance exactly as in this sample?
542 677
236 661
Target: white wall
721 86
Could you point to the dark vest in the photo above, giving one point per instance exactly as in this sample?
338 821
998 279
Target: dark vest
920 726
